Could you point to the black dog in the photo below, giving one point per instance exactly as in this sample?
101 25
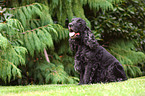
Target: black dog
93 62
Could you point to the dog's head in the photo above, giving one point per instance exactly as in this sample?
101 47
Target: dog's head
76 27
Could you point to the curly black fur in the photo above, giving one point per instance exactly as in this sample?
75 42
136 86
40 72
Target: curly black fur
93 62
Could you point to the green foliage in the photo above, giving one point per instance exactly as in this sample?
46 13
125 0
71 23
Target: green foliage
33 14
126 53
35 38
3 42
10 58
59 76
51 73
56 8
35 41
75 8
43 37
32 31
68 62
11 30
97 4
11 54
125 21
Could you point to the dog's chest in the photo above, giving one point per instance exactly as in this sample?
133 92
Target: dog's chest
85 52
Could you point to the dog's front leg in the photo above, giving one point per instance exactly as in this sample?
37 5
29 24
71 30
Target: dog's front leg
81 77
87 73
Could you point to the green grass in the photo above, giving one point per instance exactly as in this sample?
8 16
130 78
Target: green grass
131 87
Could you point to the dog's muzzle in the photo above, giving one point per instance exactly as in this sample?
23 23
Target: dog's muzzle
73 34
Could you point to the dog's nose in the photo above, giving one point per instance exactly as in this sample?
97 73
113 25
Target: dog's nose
70 24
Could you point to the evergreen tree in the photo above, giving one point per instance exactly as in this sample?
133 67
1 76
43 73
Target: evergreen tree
34 39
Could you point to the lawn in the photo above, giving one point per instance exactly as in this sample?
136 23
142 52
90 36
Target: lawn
131 87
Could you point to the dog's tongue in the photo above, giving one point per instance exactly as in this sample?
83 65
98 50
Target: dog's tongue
73 34
77 34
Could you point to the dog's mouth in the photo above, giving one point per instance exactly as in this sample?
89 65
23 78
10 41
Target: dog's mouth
72 33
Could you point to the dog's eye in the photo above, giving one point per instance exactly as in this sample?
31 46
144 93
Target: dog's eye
79 23
79 20
72 20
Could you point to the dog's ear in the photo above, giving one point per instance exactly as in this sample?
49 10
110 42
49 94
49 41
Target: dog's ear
83 26
85 30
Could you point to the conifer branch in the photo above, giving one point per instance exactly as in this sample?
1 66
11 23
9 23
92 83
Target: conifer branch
24 6
34 29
